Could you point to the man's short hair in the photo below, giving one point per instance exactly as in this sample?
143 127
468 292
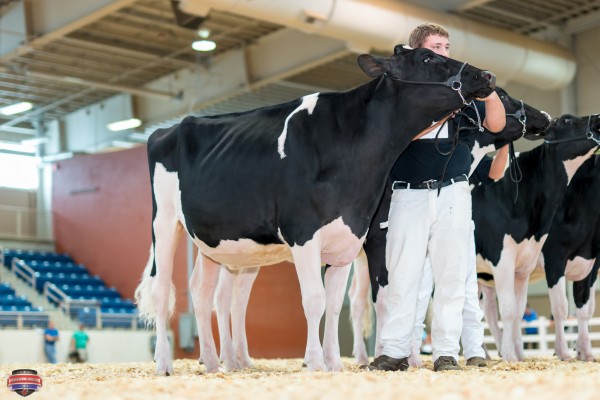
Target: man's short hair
421 32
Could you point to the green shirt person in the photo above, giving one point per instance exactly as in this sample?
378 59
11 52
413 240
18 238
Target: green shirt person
79 342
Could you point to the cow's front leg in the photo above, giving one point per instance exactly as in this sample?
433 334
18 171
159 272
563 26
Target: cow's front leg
585 300
241 295
381 315
307 260
360 308
560 309
224 292
336 281
202 287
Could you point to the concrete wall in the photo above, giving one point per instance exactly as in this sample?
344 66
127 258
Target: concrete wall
27 346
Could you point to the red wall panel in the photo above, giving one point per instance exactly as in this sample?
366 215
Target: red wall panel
102 217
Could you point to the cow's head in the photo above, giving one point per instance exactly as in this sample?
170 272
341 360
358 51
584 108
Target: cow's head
422 68
521 120
577 134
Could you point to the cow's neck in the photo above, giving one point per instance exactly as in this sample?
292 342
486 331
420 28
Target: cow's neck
548 179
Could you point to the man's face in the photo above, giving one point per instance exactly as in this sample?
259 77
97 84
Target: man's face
438 44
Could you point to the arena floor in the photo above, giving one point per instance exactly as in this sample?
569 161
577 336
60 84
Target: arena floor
283 379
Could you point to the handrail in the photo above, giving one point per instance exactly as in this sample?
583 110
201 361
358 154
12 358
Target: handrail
23 267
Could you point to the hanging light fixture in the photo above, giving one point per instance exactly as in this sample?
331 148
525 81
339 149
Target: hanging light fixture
204 44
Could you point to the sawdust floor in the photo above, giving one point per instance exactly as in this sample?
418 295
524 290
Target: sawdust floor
284 379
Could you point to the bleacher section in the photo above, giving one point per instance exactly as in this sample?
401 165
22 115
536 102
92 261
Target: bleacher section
17 311
70 286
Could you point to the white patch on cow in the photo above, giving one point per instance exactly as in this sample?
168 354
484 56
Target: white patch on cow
478 153
339 246
527 255
168 182
578 268
571 166
308 103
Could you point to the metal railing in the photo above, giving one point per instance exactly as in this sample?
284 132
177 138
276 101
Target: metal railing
545 337
25 223
22 270
21 319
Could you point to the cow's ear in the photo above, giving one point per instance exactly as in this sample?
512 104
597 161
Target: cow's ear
372 65
402 48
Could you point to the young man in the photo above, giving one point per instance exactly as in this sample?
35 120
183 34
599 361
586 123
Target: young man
430 215
79 342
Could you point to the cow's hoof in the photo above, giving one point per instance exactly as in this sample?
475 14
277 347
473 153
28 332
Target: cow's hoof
314 366
415 361
164 370
334 366
244 362
361 356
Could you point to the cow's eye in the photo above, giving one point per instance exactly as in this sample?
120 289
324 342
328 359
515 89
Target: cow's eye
567 120
427 59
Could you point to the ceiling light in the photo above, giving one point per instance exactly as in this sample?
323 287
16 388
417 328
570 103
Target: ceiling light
16 108
125 124
16 147
203 33
204 45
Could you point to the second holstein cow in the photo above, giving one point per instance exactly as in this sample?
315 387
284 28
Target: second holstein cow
511 227
280 183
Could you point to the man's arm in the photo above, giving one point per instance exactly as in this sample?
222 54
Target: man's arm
499 163
495 114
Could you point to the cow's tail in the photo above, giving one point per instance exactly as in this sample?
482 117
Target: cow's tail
144 294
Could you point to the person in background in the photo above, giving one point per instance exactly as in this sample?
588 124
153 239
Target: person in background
50 338
79 343
530 315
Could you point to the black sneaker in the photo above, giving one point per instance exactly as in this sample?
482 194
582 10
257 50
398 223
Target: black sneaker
445 363
476 362
385 363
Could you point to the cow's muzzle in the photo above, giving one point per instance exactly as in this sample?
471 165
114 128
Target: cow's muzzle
490 77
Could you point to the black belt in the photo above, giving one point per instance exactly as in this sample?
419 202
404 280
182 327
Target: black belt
431 185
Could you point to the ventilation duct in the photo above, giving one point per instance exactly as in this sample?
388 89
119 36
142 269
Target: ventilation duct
381 24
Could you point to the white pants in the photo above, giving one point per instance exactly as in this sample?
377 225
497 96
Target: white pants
472 331
422 223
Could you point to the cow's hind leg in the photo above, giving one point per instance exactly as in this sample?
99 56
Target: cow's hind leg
336 281
307 260
224 294
504 276
241 295
360 308
585 300
489 305
155 294
202 287
521 302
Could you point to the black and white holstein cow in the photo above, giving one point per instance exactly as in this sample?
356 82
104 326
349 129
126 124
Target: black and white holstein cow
511 227
572 252
279 183
522 120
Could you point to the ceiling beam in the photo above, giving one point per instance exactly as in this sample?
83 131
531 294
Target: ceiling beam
470 4
100 85
64 30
